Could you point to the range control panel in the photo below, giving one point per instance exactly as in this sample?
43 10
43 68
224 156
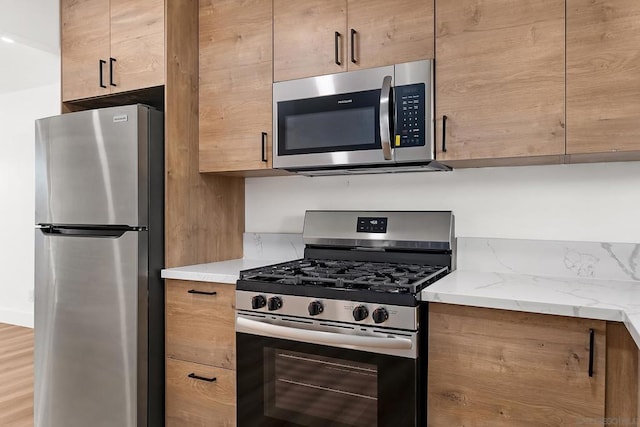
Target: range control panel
371 225
410 115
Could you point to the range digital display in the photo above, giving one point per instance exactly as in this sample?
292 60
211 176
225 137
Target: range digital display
371 225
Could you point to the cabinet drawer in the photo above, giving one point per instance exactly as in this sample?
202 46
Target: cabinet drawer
197 402
200 322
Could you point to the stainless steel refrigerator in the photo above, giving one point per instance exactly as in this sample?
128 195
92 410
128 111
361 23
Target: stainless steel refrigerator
99 248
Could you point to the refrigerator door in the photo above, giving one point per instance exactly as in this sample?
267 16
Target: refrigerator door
90 329
91 167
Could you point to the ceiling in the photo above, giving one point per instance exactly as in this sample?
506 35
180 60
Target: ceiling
34 57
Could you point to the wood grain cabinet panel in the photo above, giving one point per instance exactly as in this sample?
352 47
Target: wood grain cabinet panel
200 327
500 79
506 368
389 32
197 402
603 76
137 44
304 38
235 121
127 36
84 37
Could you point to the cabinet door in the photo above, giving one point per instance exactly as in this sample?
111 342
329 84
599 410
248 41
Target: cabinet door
507 368
194 398
603 69
235 85
84 42
137 44
200 322
500 78
304 38
389 32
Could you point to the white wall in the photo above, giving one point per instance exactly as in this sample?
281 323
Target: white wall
585 202
18 110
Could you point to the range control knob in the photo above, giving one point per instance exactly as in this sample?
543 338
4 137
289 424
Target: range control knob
274 303
380 314
258 301
315 308
360 313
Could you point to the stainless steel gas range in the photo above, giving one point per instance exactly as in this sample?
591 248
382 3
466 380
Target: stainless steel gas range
339 337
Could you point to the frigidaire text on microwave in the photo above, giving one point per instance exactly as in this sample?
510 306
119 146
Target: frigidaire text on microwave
365 121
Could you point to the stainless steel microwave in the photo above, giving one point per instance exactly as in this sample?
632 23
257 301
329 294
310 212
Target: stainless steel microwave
365 121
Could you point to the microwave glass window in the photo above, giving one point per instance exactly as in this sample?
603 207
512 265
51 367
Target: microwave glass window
341 392
331 129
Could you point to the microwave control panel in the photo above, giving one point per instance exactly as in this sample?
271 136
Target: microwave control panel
410 115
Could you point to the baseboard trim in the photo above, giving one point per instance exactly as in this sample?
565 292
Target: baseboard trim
18 318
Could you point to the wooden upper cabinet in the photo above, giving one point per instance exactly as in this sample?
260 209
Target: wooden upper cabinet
500 74
235 85
84 41
389 32
111 46
304 38
384 33
137 44
603 76
506 368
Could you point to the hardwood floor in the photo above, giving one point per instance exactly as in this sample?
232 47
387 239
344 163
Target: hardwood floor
16 376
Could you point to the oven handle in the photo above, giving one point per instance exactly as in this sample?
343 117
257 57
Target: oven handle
385 119
320 337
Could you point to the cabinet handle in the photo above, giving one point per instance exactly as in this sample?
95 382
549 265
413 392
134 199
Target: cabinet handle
353 46
193 291
111 61
591 339
444 134
102 62
336 45
264 147
198 377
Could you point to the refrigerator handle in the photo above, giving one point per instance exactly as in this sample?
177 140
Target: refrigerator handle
84 232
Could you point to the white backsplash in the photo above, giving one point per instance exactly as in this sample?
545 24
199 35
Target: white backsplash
612 261
273 246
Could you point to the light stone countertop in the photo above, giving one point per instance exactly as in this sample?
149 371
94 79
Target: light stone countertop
615 300
219 272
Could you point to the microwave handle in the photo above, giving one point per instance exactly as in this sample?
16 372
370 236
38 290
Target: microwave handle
385 118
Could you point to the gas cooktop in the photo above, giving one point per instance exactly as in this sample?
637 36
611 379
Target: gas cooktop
346 274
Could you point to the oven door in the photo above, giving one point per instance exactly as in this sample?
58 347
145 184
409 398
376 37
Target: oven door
294 382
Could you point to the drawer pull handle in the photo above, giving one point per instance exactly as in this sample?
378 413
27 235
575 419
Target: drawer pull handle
198 377
193 291
591 343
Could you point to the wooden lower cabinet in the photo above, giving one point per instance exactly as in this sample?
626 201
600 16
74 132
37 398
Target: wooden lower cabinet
507 368
201 322
197 402
200 346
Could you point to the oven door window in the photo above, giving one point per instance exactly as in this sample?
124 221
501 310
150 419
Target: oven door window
346 122
288 383
318 386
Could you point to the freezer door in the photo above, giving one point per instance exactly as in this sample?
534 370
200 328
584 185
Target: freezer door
91 167
90 330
